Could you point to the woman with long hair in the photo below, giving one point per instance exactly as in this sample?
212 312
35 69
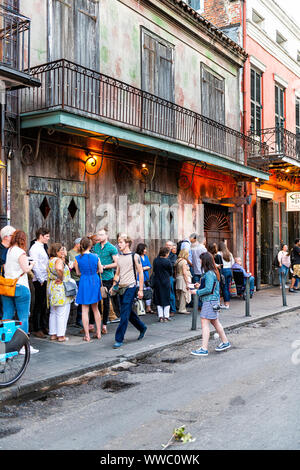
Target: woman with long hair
141 250
162 270
210 296
183 279
227 263
17 266
87 266
58 302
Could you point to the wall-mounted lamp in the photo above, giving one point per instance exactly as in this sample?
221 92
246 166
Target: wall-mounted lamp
144 170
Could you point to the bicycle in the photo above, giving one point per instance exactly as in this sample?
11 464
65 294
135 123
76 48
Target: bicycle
14 352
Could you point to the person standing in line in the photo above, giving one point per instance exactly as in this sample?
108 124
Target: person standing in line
108 255
39 255
17 266
196 251
172 247
141 250
58 272
295 264
125 281
162 269
210 296
71 260
284 261
183 279
227 263
5 234
87 266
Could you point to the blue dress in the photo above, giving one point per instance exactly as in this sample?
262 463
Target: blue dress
89 283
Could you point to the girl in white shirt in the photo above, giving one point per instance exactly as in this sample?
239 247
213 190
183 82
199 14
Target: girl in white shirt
16 267
284 261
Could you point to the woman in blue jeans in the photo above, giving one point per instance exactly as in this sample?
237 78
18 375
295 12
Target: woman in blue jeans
17 266
226 271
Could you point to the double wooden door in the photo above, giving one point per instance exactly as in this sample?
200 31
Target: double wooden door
58 205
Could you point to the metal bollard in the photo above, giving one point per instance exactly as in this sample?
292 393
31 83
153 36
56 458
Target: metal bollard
195 311
284 302
247 300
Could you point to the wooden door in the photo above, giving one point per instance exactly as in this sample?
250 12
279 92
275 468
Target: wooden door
284 225
58 205
258 243
157 79
217 226
275 240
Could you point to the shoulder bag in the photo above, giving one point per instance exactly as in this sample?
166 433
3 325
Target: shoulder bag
8 286
147 293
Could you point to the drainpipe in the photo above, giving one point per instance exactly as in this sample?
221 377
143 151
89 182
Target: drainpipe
247 209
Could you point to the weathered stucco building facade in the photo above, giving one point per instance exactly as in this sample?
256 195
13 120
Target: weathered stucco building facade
136 125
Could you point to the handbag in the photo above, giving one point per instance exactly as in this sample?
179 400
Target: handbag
232 289
8 286
70 288
103 289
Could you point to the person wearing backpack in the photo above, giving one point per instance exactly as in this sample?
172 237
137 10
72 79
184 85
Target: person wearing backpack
125 284
295 264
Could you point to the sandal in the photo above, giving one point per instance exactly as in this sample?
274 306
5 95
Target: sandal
96 337
62 340
104 330
86 338
161 320
53 338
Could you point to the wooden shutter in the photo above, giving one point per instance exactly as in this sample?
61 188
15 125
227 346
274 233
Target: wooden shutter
258 243
284 224
275 239
61 30
212 96
87 34
157 66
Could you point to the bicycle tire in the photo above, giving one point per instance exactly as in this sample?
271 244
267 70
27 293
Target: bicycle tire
11 362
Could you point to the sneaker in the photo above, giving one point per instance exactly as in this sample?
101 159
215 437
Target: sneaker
200 352
32 350
292 290
223 346
117 345
142 333
226 307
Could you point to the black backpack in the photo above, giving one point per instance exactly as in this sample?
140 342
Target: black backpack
179 247
276 262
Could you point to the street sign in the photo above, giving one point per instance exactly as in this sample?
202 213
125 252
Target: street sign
293 201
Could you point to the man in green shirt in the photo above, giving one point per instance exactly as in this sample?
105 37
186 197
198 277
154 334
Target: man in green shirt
108 255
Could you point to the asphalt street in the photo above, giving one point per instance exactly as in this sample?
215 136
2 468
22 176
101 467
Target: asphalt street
244 398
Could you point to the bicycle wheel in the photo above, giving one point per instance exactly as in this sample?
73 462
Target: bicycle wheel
12 363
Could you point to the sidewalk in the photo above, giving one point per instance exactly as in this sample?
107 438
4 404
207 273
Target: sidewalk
57 362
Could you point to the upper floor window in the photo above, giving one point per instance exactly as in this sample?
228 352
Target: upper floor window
281 40
197 5
297 115
212 95
157 66
256 101
257 19
279 106
298 57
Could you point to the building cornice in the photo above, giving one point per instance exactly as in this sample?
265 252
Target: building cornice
275 9
195 24
272 47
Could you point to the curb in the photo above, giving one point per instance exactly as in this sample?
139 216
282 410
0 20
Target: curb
15 392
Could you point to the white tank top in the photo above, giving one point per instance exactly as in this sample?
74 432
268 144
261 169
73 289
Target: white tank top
12 268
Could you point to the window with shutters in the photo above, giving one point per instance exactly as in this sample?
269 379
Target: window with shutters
298 116
73 31
256 101
212 95
279 106
157 66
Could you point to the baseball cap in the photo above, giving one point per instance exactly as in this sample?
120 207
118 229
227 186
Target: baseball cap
78 240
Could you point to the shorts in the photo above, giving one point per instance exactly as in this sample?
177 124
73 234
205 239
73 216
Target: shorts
208 312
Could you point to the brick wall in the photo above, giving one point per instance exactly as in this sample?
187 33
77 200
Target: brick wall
222 12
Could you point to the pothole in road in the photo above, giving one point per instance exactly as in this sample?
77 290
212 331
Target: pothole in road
116 385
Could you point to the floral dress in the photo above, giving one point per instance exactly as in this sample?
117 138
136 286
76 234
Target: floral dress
56 292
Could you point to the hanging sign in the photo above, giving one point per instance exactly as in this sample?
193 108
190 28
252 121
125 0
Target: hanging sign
293 201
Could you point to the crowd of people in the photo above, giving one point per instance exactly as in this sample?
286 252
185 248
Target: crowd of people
110 279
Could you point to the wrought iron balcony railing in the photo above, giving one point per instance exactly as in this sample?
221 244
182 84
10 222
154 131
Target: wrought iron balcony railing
71 87
282 143
14 39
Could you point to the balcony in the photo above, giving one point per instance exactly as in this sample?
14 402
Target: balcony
72 88
284 146
15 49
